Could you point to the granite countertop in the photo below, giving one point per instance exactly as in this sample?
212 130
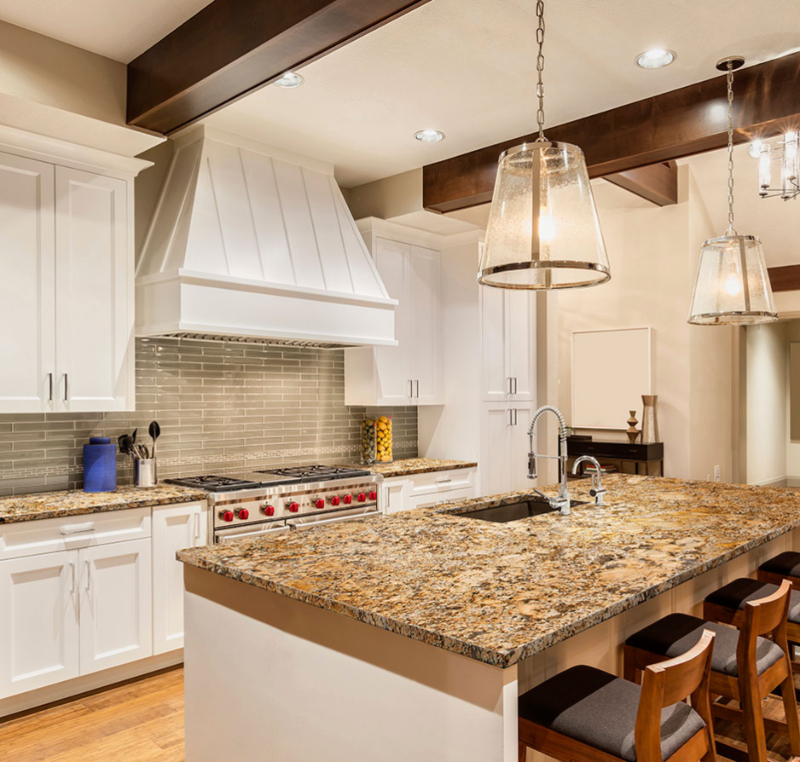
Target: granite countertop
409 466
499 593
50 505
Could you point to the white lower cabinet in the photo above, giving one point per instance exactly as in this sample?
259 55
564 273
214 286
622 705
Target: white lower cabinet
175 527
39 625
402 493
505 445
116 608
85 594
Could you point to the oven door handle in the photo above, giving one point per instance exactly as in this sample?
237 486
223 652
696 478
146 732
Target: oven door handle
221 536
297 524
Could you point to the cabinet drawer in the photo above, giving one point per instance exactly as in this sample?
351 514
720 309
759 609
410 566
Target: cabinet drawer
29 538
424 501
442 481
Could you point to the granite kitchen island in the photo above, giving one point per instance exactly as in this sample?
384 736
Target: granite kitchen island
410 637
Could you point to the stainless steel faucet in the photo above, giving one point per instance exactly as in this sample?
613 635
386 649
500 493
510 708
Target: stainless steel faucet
561 503
597 491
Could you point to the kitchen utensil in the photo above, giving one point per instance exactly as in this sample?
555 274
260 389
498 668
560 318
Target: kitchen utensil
126 445
155 433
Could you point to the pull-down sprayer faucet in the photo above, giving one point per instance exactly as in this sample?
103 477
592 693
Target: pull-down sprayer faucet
562 502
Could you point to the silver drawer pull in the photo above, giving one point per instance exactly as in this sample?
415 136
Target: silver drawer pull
83 529
444 481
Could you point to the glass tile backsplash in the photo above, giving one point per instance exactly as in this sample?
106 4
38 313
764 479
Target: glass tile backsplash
223 407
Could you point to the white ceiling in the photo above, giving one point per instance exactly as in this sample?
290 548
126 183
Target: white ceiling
118 29
466 67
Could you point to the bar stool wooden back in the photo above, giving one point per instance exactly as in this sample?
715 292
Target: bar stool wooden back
587 715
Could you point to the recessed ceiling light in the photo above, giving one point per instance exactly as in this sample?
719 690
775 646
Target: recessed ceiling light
289 80
655 59
429 136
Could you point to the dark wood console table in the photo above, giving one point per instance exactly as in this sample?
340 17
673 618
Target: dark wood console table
644 459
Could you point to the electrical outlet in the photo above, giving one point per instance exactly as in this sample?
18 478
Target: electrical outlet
717 474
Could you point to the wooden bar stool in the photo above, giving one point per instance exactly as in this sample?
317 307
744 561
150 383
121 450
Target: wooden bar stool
781 567
586 715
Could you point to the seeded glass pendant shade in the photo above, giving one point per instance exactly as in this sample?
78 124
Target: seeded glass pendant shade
543 230
732 286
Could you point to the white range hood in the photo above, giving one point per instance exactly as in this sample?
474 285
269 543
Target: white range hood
254 244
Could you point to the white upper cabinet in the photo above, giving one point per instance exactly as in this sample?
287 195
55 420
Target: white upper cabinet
409 373
508 328
67 259
94 320
27 286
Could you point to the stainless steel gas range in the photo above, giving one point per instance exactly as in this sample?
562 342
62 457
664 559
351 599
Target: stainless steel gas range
286 499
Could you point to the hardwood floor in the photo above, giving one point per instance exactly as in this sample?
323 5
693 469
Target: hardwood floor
142 721
137 721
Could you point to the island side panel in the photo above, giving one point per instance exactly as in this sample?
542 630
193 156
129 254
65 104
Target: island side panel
270 678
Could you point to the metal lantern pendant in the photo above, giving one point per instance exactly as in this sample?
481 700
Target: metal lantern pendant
543 231
732 286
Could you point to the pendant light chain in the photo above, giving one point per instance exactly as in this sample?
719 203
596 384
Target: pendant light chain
731 231
540 68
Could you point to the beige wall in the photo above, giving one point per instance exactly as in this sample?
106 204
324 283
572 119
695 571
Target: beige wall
653 253
43 70
767 430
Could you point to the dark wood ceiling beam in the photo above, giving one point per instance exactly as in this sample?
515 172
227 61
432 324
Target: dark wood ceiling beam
657 183
665 127
233 47
785 278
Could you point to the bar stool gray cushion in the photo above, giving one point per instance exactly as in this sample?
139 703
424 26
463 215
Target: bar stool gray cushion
599 709
787 563
735 594
675 634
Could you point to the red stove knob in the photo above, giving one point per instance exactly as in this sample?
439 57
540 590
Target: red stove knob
243 514
361 497
226 515
373 495
319 503
335 500
347 499
269 510
293 507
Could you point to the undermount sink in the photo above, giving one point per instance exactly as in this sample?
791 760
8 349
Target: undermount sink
502 514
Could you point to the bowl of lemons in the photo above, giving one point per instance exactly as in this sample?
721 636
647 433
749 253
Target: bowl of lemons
376 440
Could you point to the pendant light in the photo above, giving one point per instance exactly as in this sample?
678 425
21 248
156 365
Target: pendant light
732 286
543 230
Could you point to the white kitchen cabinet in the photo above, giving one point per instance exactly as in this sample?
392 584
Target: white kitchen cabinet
27 286
39 627
411 372
402 493
116 604
508 341
94 297
175 527
504 440
67 289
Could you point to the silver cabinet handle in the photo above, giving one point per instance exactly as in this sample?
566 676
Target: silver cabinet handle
510 417
197 527
82 529
417 388
411 388
88 576
515 416
72 572
66 387
50 382
515 384
510 385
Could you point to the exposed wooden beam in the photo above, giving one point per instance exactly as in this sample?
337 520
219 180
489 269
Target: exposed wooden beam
233 47
662 128
785 278
657 183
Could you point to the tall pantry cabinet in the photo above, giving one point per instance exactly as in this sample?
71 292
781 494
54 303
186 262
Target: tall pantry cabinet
66 254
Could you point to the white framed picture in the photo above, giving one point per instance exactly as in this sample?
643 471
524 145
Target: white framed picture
611 370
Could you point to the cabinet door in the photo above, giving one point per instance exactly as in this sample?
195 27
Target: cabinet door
27 285
116 599
495 383
94 293
519 446
175 527
494 464
39 623
520 344
393 364
424 301
395 495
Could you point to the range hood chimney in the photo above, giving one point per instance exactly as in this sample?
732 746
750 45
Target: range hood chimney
251 243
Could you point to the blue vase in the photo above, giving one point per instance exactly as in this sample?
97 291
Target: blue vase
99 465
